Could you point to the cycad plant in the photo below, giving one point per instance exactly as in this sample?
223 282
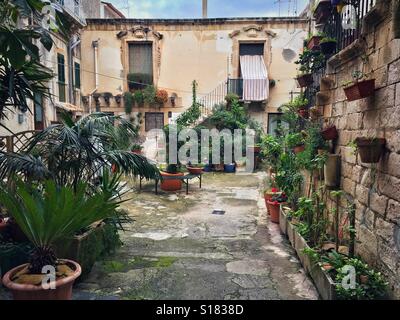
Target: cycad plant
47 213
71 152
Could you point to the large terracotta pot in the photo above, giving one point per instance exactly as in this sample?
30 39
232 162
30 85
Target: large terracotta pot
171 185
360 90
194 170
305 80
268 196
63 290
273 209
299 149
370 150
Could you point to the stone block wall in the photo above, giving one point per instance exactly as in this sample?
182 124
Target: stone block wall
374 189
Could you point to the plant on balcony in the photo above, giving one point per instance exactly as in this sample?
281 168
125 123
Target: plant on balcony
310 62
313 41
138 98
161 97
139 81
322 11
370 149
128 102
328 45
359 87
149 95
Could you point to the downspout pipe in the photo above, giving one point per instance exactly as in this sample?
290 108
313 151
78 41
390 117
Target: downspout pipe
72 44
95 45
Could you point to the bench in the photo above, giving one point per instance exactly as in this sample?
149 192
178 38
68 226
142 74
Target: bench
184 178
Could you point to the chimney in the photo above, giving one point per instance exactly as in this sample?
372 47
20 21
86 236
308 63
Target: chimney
204 9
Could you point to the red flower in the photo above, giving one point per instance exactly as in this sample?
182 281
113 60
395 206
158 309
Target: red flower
274 189
276 203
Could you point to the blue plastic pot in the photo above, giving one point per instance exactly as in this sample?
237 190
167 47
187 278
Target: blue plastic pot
230 168
336 2
207 168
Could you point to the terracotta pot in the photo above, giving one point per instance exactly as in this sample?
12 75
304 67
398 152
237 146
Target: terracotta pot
330 133
193 170
305 80
171 185
114 168
370 150
274 211
364 279
299 149
313 43
360 90
268 196
63 289
328 48
304 113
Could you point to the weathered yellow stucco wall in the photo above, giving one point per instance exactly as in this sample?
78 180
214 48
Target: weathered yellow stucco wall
185 50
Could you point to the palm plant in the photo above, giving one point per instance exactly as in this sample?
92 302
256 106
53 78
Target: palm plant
71 152
47 213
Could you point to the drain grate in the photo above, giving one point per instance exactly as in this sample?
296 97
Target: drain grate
218 211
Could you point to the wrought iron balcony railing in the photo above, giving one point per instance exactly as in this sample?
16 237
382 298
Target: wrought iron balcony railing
351 16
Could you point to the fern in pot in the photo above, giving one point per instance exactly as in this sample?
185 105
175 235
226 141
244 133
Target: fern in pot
48 213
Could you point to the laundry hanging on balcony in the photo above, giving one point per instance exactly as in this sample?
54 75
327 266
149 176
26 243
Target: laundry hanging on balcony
255 78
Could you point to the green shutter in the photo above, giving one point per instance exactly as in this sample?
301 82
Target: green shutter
61 68
141 59
77 68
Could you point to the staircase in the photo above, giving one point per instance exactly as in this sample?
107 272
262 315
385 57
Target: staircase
207 102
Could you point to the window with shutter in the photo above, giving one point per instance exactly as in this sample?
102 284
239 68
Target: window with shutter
61 77
141 63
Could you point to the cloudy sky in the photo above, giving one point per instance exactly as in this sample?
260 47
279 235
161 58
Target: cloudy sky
216 8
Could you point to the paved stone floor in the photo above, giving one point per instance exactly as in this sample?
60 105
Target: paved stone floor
177 249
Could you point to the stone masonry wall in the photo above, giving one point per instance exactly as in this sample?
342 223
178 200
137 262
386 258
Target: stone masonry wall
374 188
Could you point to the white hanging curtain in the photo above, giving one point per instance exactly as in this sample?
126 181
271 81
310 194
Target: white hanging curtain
255 78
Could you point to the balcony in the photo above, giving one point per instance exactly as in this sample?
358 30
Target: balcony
334 26
235 86
73 9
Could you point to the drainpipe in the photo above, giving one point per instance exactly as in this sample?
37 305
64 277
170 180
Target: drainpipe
95 45
71 45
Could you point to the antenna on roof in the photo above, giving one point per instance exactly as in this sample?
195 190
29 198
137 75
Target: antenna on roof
292 7
126 7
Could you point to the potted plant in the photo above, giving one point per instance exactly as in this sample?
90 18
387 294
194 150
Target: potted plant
161 97
314 41
328 45
171 184
322 11
274 206
358 88
330 133
268 194
138 98
295 141
47 213
230 167
195 168
137 148
300 104
370 149
310 62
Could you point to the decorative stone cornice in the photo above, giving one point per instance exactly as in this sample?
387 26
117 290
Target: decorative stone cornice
252 31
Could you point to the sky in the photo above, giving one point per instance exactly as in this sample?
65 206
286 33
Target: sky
216 8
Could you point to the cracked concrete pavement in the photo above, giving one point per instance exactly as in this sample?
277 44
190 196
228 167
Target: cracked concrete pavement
177 249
